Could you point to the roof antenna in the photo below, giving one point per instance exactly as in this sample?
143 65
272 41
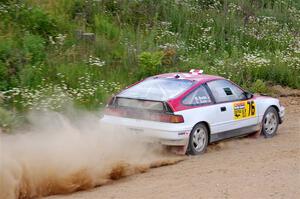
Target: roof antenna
177 76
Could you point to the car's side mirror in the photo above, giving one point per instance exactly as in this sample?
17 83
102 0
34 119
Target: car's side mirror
248 95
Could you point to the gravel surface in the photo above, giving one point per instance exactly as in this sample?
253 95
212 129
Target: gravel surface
237 168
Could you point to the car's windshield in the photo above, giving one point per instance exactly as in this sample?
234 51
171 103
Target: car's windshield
157 89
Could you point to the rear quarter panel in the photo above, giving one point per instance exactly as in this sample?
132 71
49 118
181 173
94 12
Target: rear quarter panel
206 114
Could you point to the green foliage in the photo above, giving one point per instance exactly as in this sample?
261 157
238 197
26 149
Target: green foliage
249 42
3 74
10 61
150 63
37 21
33 76
259 86
7 119
104 26
28 18
4 81
6 49
34 48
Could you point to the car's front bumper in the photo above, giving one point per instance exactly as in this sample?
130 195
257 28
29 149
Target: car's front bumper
281 114
164 133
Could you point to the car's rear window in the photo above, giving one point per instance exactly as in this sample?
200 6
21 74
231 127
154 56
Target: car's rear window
140 104
159 89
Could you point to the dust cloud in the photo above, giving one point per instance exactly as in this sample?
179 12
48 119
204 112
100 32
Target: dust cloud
64 153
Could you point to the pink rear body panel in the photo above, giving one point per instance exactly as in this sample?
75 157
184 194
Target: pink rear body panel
175 103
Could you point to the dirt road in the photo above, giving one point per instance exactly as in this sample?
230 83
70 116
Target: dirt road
238 168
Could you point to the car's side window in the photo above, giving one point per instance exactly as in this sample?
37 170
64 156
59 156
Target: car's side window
225 91
199 96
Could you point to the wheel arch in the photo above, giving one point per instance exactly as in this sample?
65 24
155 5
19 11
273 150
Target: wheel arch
207 126
277 110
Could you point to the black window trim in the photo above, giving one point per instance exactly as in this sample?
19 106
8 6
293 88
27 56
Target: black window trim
215 102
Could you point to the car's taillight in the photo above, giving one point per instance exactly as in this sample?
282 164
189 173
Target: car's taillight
171 118
153 116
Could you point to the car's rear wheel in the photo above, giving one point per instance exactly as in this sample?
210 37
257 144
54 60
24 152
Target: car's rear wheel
270 122
198 140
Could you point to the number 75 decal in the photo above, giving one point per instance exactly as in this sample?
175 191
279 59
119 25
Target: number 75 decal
244 109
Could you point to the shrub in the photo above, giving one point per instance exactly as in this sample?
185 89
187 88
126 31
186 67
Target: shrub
259 86
34 48
35 20
150 63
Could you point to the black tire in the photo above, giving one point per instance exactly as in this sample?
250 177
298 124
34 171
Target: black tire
270 123
200 134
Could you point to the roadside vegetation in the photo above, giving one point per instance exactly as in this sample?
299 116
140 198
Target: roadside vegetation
57 52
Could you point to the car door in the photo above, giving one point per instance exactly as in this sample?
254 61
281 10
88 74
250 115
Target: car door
233 110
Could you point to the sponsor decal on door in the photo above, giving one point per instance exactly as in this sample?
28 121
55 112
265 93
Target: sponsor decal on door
244 109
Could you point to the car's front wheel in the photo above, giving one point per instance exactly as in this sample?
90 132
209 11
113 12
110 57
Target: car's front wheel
270 122
198 140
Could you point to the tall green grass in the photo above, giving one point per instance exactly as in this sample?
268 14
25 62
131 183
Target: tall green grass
245 41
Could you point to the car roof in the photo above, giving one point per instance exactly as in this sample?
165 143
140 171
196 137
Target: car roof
189 76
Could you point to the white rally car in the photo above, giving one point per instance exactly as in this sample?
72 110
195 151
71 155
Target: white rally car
191 110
